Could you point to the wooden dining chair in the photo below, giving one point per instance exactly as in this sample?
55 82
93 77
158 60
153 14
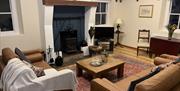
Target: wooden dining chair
143 40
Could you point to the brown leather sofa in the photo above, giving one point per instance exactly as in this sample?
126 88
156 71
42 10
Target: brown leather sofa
35 56
166 80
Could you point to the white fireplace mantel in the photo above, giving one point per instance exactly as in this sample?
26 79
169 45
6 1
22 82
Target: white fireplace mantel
48 26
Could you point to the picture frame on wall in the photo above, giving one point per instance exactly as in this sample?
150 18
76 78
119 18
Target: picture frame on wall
145 11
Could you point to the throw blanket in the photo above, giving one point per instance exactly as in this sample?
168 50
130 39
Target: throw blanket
17 76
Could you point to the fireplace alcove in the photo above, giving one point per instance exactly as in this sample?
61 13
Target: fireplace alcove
52 34
68 28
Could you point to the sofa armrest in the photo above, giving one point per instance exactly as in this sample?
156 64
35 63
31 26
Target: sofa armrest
171 57
102 85
7 54
160 60
57 80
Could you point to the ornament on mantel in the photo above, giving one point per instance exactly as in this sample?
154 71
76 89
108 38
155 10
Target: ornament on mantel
91 32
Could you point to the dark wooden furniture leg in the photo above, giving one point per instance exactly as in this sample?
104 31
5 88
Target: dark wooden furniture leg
120 71
79 71
96 76
137 51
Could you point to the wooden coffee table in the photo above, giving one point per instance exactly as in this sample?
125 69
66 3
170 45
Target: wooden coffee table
98 71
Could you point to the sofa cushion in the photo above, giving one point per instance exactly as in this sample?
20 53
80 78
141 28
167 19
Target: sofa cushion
159 60
36 57
29 52
136 81
170 75
39 71
171 57
124 84
21 55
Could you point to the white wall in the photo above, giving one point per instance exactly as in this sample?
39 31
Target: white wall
30 35
128 10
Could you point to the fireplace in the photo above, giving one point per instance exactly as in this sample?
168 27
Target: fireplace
68 28
52 35
69 41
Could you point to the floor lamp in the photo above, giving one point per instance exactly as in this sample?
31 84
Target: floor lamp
118 23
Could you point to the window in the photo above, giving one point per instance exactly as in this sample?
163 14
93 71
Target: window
8 17
5 16
174 17
101 13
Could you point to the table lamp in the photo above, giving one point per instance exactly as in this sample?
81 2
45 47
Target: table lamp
118 23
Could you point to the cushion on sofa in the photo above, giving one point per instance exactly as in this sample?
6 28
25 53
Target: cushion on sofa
39 71
160 60
35 57
124 83
163 81
171 57
29 52
21 55
147 76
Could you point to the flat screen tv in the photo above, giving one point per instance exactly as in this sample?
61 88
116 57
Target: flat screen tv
104 33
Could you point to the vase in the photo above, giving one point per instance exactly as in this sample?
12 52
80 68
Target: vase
91 32
170 35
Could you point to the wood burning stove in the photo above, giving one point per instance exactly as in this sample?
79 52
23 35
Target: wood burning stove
69 41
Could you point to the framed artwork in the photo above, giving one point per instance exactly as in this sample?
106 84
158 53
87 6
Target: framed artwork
145 11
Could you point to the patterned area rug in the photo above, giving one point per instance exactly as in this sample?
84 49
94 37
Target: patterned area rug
131 67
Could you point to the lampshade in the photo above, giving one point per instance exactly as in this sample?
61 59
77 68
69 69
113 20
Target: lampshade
119 21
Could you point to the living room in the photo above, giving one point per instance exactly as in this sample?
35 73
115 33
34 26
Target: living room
33 29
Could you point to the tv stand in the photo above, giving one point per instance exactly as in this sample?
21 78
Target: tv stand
109 43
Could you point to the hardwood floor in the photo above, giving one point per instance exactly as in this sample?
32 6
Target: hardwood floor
143 56
128 52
